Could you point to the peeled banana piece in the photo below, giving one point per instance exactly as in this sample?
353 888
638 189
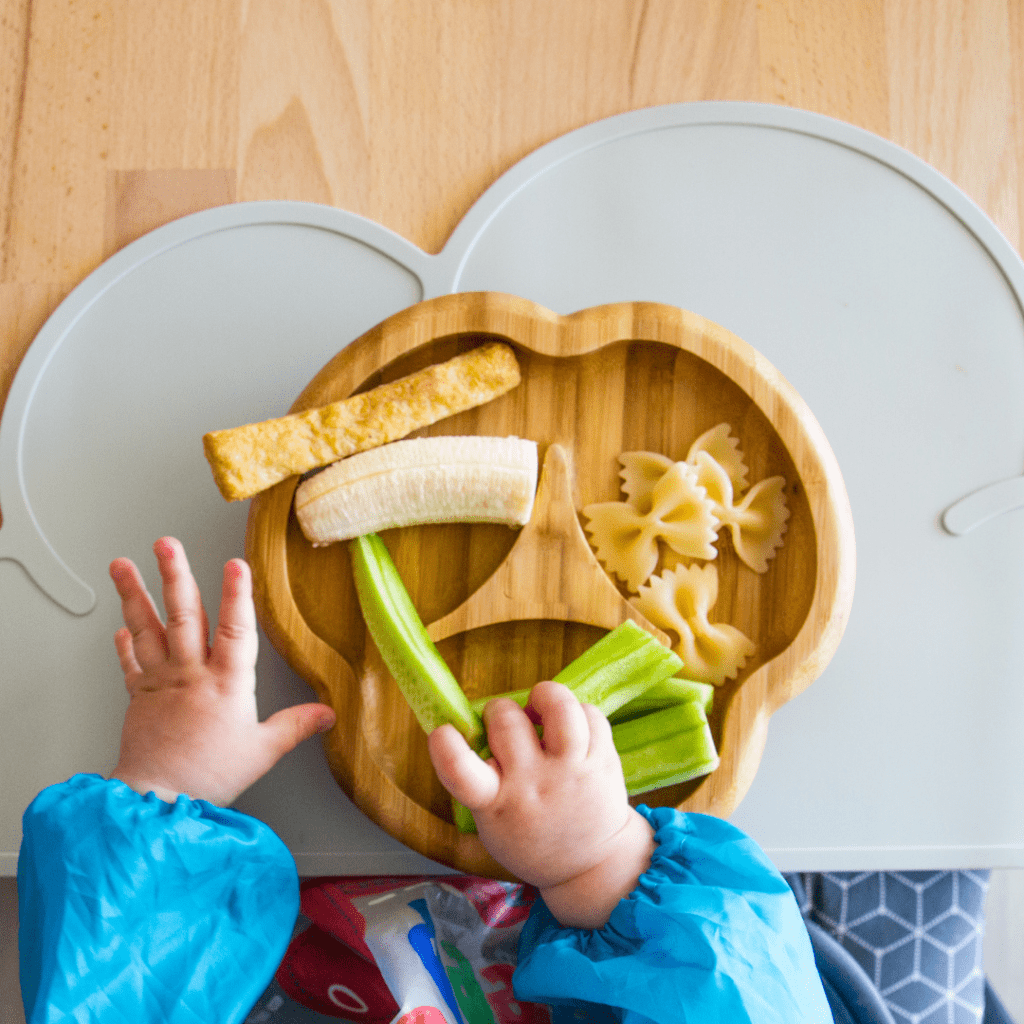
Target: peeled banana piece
461 479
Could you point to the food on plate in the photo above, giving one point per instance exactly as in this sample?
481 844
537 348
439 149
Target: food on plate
251 458
665 747
659 723
462 479
625 536
666 694
756 521
658 748
719 443
416 665
619 668
679 601
642 470
656 697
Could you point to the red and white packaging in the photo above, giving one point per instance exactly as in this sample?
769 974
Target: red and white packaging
415 950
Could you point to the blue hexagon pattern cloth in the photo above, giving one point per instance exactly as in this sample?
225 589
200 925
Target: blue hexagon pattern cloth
917 934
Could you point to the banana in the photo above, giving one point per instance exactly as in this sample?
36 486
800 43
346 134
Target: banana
462 479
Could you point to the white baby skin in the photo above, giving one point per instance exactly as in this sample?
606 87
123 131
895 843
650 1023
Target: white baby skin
553 811
191 725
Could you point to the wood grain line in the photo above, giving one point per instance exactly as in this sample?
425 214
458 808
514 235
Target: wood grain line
10 136
139 201
1016 127
641 23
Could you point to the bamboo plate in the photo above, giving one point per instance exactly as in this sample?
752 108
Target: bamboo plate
508 608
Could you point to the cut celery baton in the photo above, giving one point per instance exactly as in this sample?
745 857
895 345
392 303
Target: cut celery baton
422 675
658 749
659 723
665 748
622 666
666 694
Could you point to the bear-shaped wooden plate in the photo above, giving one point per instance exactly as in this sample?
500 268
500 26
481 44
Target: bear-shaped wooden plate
510 607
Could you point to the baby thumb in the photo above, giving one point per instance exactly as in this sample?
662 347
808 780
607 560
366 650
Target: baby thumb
287 728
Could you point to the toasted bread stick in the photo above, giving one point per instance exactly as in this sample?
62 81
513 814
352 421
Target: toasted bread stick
249 459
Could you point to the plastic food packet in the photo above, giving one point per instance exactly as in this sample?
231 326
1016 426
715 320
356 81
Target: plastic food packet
413 950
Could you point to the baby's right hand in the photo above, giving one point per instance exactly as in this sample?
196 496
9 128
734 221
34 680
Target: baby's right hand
554 812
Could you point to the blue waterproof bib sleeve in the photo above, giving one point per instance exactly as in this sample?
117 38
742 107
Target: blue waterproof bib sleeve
134 909
711 933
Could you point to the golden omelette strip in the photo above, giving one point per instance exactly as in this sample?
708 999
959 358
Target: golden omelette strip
249 459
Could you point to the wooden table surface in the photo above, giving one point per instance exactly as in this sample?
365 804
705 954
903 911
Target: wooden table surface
116 117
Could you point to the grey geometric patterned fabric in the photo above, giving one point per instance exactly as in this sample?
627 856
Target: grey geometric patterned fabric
917 934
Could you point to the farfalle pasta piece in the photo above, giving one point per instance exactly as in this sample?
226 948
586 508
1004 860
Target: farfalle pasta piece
640 472
679 601
719 443
626 540
757 522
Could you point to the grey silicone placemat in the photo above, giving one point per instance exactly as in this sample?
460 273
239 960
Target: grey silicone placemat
879 290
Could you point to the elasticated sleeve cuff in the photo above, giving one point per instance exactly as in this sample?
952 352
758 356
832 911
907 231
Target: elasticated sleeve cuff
134 909
711 933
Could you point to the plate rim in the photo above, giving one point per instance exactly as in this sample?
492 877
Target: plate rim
745 725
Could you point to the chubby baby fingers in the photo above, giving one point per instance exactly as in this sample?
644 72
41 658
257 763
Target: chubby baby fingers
235 641
187 627
566 727
511 735
125 647
146 631
472 781
602 743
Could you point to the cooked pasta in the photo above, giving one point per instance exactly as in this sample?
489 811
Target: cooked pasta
626 539
679 601
757 521
725 450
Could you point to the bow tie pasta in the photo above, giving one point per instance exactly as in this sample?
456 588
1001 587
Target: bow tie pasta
678 512
756 522
684 505
719 443
678 601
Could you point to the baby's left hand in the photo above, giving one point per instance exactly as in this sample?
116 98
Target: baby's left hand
191 725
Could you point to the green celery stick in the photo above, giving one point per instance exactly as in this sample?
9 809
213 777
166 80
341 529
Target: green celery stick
656 750
661 695
463 818
666 694
665 747
519 696
412 659
621 666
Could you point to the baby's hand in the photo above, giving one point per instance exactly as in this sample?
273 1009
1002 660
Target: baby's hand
552 811
191 725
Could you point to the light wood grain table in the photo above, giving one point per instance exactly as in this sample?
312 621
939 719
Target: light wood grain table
116 117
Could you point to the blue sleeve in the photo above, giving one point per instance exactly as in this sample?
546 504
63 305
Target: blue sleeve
134 909
712 932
